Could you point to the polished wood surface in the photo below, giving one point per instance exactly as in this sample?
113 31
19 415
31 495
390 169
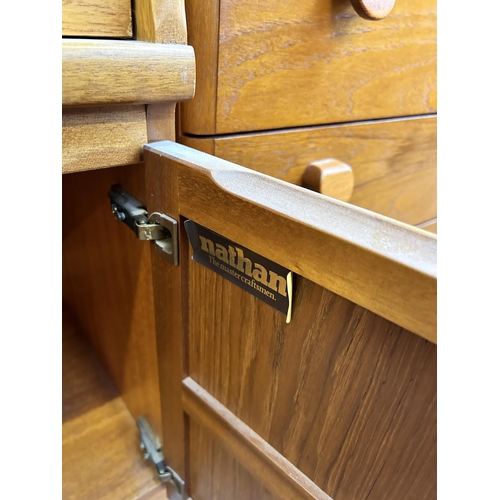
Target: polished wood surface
107 284
283 64
216 473
198 114
276 473
344 395
330 177
161 21
101 18
100 444
102 137
393 161
392 264
373 10
170 310
96 72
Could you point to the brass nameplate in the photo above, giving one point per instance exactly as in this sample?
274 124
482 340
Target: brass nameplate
259 276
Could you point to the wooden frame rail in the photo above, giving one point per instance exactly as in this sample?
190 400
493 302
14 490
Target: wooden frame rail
383 265
273 470
97 72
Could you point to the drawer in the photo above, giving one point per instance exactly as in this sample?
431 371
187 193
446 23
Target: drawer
267 65
101 18
393 161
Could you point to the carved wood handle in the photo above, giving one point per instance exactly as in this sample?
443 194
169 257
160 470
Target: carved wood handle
373 10
329 177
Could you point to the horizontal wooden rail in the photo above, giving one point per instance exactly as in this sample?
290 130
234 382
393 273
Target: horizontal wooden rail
383 265
268 466
96 72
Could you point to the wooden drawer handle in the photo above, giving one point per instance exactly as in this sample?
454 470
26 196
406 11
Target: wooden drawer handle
373 10
329 177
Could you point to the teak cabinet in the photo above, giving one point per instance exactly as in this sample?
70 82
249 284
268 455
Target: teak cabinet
341 401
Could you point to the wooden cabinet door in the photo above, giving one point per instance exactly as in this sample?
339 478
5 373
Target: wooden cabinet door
340 402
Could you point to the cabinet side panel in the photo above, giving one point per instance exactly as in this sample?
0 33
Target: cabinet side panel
107 284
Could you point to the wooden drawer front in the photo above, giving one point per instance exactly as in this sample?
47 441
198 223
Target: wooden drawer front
101 18
285 64
393 161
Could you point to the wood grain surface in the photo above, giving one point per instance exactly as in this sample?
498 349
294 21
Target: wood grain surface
276 473
104 18
102 137
373 10
392 265
198 114
160 21
100 445
107 284
330 177
283 64
170 309
346 396
394 161
97 72
216 473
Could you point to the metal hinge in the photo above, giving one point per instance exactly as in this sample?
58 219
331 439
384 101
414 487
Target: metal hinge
159 228
151 445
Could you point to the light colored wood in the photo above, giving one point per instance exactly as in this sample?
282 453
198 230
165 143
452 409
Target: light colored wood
373 10
394 161
97 72
101 137
161 21
392 266
102 18
430 225
100 445
198 114
276 473
344 395
284 64
329 177
107 284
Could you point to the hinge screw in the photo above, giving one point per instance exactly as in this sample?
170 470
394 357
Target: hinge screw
119 216
142 446
146 456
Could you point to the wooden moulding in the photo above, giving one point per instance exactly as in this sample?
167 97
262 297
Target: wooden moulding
104 18
394 174
383 265
101 137
97 72
273 470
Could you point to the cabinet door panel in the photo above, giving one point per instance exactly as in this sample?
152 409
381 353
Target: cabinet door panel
341 401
